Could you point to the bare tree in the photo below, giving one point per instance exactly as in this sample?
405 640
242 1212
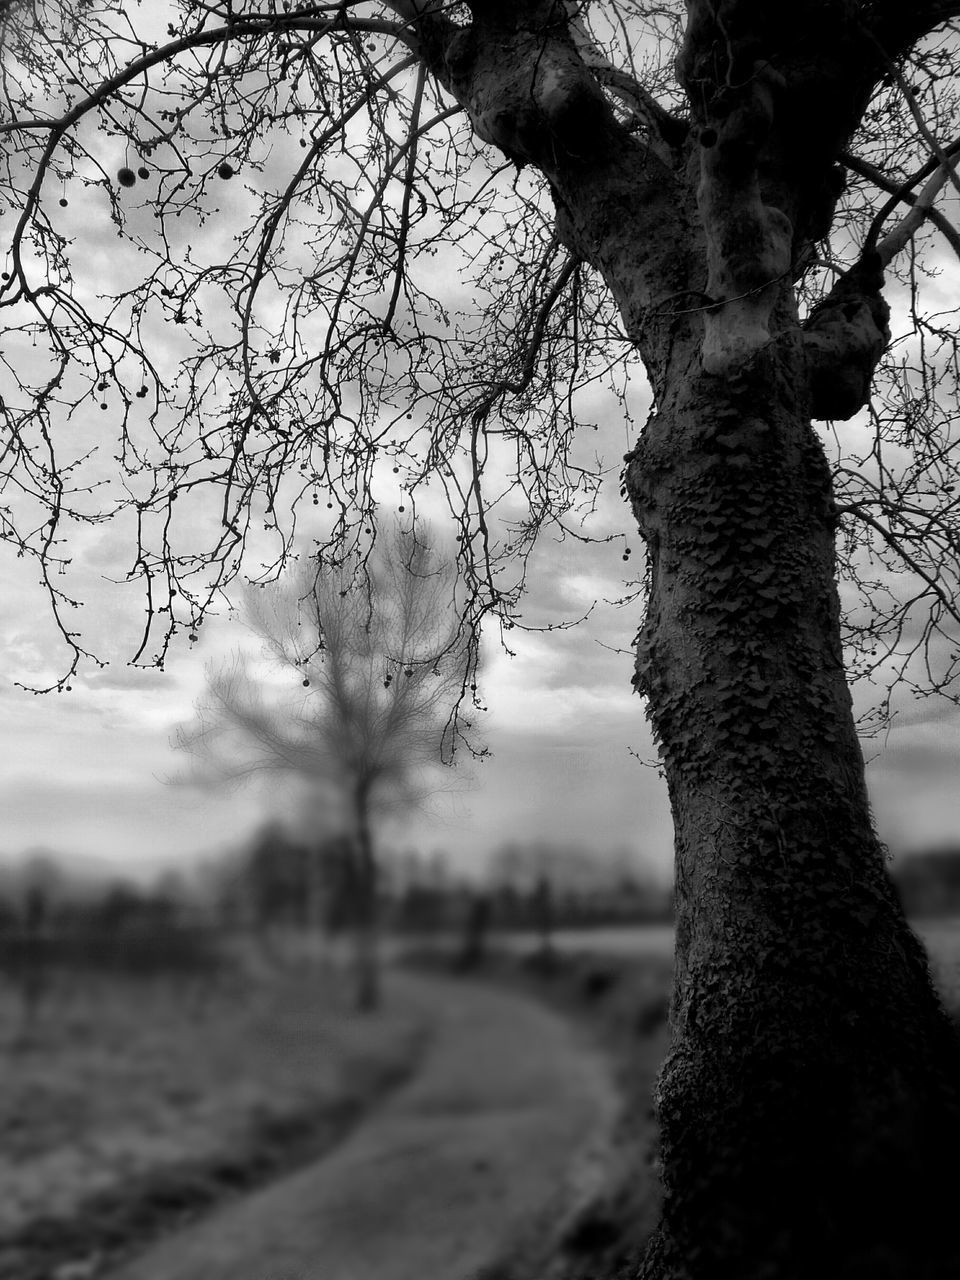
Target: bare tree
726 192
378 662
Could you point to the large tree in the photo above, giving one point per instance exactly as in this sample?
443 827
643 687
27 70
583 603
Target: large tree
723 191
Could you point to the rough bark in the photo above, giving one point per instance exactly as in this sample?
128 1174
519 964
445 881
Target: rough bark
809 1104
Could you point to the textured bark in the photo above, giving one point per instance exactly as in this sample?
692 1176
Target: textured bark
809 1103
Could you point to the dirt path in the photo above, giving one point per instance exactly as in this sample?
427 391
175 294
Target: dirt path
498 1135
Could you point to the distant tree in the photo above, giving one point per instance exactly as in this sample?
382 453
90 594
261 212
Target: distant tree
543 913
120 908
475 928
278 880
379 665
31 969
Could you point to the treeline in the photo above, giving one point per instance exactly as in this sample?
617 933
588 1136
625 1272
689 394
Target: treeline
283 881
45 918
424 908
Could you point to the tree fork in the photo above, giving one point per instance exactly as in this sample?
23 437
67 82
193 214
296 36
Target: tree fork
810 1099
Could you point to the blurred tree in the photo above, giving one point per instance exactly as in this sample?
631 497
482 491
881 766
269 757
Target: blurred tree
119 909
31 969
279 879
379 663
716 189
543 914
475 928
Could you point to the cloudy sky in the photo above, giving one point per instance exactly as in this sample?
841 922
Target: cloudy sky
93 772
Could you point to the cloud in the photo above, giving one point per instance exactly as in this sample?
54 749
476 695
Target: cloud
128 679
582 787
123 820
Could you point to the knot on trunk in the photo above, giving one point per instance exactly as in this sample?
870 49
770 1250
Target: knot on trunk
844 338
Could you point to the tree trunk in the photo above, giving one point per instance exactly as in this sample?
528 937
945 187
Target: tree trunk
809 1104
365 940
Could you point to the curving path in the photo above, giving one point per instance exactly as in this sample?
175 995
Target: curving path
500 1134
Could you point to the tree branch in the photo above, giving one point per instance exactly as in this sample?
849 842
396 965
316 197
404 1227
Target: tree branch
430 33
946 599
636 98
898 26
903 233
844 337
408 180
909 97
902 193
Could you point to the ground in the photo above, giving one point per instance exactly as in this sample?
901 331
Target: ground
134 1111
493 1146
134 1104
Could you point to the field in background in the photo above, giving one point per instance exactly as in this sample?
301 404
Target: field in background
132 1103
941 937
157 1097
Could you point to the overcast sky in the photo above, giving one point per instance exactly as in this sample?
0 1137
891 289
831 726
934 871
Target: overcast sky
93 772
90 772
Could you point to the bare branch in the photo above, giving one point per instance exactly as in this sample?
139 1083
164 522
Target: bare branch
642 104
902 193
896 240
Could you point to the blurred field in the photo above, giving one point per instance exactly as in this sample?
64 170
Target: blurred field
132 1103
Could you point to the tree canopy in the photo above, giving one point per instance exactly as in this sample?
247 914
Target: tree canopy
266 258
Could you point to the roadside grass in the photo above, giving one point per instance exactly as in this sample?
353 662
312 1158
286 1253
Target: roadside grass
941 937
134 1105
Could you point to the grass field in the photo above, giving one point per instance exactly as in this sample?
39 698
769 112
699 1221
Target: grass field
134 1104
